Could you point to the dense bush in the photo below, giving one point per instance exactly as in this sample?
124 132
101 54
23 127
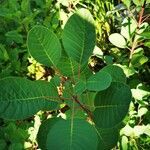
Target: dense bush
91 53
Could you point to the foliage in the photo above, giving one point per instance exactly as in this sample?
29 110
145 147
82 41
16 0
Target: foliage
23 98
113 42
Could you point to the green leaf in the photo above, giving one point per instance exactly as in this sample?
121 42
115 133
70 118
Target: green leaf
117 40
80 87
138 58
21 98
3 53
127 3
99 81
124 143
79 36
129 71
147 44
88 100
128 28
111 105
139 2
142 111
108 138
67 66
3 144
16 146
14 36
44 45
77 134
116 73
25 7
141 30
145 35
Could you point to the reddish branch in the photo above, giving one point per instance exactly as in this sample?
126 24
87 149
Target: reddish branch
138 26
83 107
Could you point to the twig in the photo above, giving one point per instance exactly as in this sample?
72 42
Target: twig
83 107
134 45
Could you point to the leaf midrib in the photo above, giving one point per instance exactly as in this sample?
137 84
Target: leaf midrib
30 98
51 61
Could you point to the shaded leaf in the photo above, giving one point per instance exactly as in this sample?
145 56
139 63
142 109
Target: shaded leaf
44 45
145 35
99 81
111 105
67 66
116 73
88 100
77 134
79 36
21 98
80 87
108 138
14 36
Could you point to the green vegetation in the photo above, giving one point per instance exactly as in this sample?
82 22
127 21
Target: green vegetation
74 70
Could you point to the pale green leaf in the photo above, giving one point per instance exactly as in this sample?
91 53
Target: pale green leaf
127 2
140 2
124 143
117 40
127 131
128 28
139 94
142 111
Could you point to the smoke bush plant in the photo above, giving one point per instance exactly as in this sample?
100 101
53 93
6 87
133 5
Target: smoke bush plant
97 102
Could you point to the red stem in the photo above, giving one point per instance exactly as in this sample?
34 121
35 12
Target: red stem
138 26
83 107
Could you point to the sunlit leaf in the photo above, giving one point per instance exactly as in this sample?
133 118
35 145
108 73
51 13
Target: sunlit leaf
117 40
79 36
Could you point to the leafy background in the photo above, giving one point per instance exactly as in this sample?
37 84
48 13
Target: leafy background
17 17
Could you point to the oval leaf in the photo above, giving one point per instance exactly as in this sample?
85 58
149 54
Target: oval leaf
128 28
44 45
77 134
116 73
79 36
99 81
111 105
117 40
21 98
